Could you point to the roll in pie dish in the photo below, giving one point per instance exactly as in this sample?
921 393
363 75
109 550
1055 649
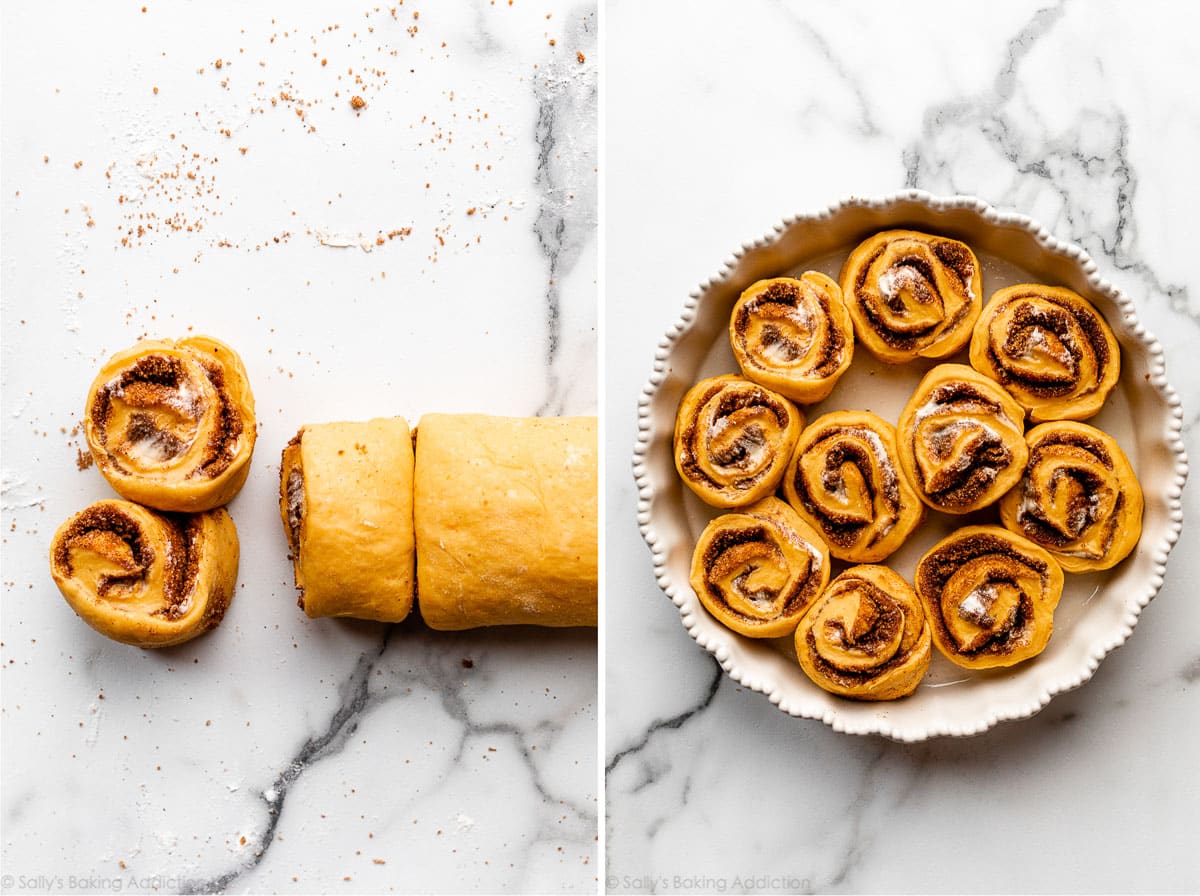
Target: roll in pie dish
793 335
757 570
845 481
1049 348
1079 498
346 498
912 295
733 439
989 596
866 636
171 425
961 440
146 578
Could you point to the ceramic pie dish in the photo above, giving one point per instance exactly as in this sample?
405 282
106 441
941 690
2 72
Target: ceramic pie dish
1098 611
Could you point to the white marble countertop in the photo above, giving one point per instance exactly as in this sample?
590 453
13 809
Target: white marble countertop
199 168
720 124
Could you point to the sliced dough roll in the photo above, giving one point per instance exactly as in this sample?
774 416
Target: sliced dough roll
506 520
346 498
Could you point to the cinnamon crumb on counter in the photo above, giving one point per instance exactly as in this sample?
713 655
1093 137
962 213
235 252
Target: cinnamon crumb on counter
357 102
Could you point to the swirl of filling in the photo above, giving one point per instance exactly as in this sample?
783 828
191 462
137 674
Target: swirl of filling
1079 498
866 636
961 439
845 481
912 295
989 596
758 569
1050 349
793 335
171 423
733 439
146 578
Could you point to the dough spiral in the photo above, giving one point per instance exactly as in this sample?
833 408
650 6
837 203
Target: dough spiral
793 335
733 439
171 423
961 439
1079 498
845 481
989 596
758 569
146 578
911 294
866 636
1050 348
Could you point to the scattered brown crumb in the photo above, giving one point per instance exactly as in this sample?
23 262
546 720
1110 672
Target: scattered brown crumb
379 861
471 210
468 664
78 165
582 59
83 459
357 102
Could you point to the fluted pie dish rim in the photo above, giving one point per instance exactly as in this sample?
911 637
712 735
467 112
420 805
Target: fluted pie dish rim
1015 693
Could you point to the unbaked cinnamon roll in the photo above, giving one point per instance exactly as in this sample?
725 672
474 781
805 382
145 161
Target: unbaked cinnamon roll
171 423
507 521
733 439
845 481
146 578
961 439
1050 348
793 335
989 596
866 636
1079 498
758 569
912 295
346 499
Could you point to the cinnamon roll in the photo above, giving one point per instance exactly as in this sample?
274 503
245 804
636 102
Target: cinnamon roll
346 499
1050 348
170 423
961 439
1079 498
733 439
989 596
845 481
758 569
146 578
912 295
793 335
866 636
507 520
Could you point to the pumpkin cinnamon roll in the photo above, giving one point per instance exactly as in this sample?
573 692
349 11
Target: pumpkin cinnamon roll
866 636
507 517
733 439
146 578
346 498
989 596
793 335
1050 348
758 569
912 295
171 425
961 439
1079 498
845 481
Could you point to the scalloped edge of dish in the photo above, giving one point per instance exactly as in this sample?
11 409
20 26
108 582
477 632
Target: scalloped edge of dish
683 597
